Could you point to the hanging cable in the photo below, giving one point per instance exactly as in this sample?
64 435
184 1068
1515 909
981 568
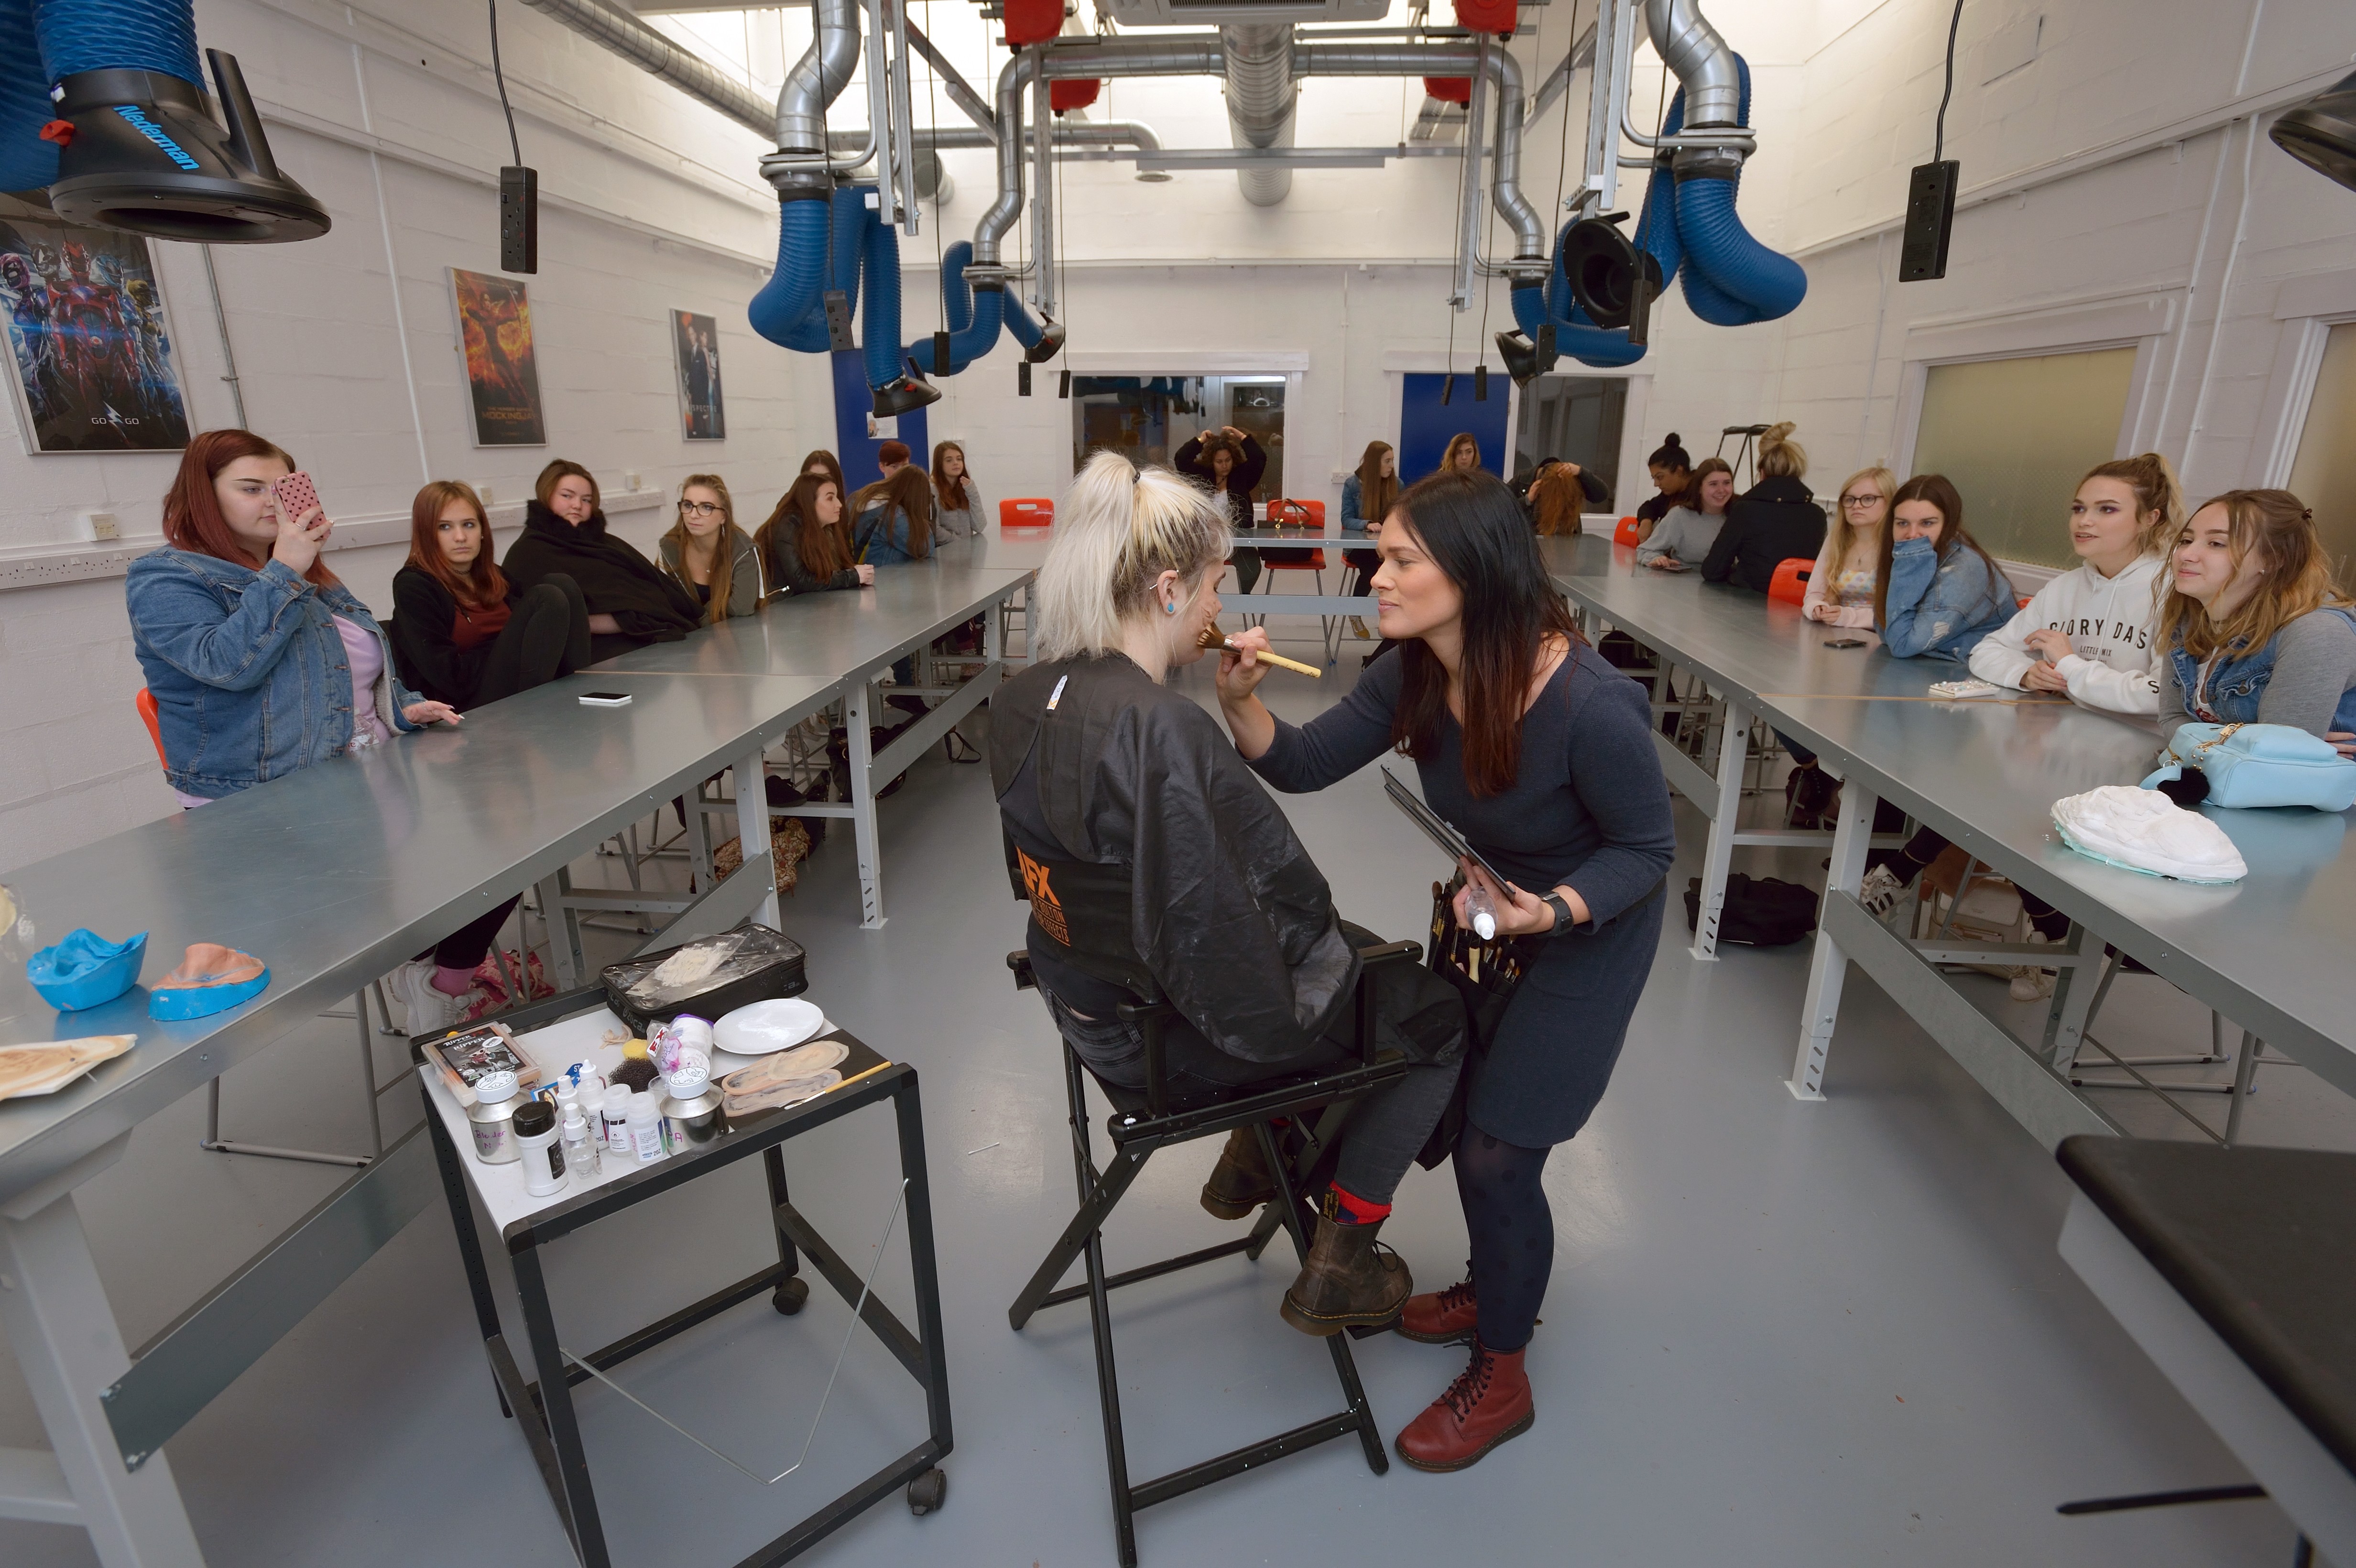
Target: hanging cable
499 75
1939 136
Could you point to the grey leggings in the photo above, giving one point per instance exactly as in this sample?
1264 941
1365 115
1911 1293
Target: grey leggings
1384 1133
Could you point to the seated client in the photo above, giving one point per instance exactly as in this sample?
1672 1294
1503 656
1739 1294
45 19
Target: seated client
1118 792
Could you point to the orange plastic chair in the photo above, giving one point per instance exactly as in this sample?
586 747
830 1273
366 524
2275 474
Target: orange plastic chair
145 702
2020 604
1790 582
1626 532
1026 512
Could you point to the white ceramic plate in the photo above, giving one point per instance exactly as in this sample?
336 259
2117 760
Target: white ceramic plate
759 1028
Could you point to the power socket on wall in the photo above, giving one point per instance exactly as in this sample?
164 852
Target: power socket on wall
97 527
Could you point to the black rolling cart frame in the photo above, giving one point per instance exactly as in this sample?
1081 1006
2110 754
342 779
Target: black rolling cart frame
551 1428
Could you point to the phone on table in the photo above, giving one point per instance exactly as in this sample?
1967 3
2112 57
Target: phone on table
605 699
296 495
1844 642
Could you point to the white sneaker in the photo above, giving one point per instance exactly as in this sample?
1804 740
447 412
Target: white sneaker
1879 891
430 1009
2029 983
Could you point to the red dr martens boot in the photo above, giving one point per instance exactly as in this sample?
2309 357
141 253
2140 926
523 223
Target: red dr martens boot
1489 1403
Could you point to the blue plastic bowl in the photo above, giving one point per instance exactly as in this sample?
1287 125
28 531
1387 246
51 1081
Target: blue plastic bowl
86 970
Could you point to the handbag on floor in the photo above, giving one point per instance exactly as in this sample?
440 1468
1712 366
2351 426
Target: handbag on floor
1759 911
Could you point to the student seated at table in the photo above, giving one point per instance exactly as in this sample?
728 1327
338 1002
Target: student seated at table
958 510
1560 495
1841 588
1671 467
2087 633
632 601
2254 627
707 554
465 634
1690 530
263 663
892 519
823 464
1228 463
1108 780
1366 499
1939 592
804 546
1770 523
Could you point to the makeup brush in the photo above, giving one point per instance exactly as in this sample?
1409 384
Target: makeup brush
1213 638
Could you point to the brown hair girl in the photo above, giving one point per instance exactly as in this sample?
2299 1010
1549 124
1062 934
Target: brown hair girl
483 584
2294 576
192 514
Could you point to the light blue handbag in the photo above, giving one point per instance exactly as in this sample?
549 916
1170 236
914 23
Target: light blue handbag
2260 765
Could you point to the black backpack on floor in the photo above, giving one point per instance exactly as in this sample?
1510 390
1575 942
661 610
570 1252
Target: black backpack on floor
1759 911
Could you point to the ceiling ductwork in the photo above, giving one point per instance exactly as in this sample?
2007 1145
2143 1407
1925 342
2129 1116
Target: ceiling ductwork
1261 98
653 52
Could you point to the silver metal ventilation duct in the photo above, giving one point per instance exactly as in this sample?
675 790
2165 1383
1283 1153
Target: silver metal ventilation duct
818 79
617 29
1701 61
1261 98
1068 133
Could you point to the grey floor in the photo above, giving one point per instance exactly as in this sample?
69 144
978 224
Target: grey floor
1778 1333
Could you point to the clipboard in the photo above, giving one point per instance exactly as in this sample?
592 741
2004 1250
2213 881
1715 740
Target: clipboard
1438 828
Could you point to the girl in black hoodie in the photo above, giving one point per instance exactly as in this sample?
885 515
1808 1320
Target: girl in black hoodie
632 601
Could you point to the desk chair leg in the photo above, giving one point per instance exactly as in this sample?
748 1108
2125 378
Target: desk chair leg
1828 965
1097 1194
1345 1366
2244 1070
216 1144
1718 854
793 1292
581 1520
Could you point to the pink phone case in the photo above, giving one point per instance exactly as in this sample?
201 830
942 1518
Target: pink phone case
296 493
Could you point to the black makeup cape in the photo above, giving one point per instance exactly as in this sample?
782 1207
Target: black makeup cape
647 604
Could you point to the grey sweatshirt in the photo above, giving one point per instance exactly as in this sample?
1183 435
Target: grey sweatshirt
2314 664
1684 534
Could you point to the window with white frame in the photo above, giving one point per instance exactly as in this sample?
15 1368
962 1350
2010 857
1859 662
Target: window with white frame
2323 475
2015 435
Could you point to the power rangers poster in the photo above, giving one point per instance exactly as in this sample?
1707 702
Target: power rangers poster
502 378
90 348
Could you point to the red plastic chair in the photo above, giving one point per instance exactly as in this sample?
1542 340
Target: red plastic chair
1790 582
145 703
1626 532
2020 604
1026 512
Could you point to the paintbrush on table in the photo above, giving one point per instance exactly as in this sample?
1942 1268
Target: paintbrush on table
1213 638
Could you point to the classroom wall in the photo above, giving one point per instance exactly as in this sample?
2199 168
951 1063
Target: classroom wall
2114 191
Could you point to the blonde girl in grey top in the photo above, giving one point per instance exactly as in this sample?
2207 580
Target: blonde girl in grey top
959 511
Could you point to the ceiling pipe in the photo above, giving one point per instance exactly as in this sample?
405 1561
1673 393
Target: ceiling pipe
1260 100
816 79
655 53
1701 61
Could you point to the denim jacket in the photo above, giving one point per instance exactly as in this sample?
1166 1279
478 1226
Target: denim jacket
1354 502
251 679
1942 609
2236 687
880 537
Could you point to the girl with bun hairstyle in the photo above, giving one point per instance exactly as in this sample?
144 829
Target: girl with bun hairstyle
1772 521
1671 467
2088 633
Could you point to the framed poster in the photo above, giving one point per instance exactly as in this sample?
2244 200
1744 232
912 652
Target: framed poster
502 377
695 352
89 347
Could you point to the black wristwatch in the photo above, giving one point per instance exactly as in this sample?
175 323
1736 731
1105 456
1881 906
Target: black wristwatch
1562 921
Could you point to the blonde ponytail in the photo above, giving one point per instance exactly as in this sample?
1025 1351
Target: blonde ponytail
1117 531
1781 457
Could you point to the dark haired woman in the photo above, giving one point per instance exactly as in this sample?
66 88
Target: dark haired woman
1542 755
465 635
804 545
1228 464
892 518
1464 453
1670 466
958 510
632 601
708 554
822 462
1939 592
1368 496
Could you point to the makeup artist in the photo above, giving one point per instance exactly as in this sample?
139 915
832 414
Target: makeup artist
1541 754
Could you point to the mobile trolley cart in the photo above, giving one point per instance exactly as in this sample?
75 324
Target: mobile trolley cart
525 1224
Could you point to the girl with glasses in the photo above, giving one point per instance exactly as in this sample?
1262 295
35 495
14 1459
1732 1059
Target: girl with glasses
1840 591
708 555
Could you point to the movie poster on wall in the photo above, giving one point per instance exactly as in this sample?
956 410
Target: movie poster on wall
695 351
88 341
502 377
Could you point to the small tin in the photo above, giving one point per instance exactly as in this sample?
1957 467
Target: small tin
492 1117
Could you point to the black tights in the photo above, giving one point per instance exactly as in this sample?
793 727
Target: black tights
547 635
1512 1229
1927 846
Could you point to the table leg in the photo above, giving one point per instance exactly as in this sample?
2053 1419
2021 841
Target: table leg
556 1404
59 1322
2078 990
1828 965
563 930
752 828
858 702
923 1266
1717 853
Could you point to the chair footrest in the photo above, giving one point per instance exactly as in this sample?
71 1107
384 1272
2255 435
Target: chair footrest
1151 1271
1224 1115
1178 1483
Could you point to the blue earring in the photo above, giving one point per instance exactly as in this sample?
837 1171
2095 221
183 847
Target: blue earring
1170 609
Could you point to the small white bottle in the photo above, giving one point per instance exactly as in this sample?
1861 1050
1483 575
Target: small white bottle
581 1156
543 1159
646 1128
614 1117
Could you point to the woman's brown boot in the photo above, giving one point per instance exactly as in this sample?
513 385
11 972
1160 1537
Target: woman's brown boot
1490 1403
1240 1183
1346 1281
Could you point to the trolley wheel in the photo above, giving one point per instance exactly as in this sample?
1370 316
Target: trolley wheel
791 1295
927 1492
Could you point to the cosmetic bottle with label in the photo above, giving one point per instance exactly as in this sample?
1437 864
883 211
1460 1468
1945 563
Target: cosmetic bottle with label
493 1117
646 1128
536 1145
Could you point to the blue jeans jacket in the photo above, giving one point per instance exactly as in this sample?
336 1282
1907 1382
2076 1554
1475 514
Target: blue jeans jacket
1939 609
2236 687
250 675
879 543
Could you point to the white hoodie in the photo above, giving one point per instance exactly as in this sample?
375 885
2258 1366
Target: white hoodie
2109 622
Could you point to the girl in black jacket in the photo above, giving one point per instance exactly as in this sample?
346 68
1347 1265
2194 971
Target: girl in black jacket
632 601
463 633
804 547
1229 465
1770 523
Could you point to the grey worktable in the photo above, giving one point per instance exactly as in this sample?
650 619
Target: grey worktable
334 875
2270 952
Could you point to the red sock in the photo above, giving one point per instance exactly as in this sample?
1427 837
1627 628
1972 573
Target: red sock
1346 1208
453 982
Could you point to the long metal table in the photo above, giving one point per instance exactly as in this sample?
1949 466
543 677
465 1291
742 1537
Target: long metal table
331 876
2268 952
853 636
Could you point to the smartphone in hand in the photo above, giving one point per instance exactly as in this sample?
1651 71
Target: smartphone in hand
296 495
